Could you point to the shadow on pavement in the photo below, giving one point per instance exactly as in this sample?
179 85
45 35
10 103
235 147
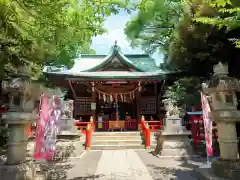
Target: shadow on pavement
170 168
163 173
90 177
59 172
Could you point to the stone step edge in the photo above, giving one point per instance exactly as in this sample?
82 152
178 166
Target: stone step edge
121 144
138 136
119 140
116 136
122 132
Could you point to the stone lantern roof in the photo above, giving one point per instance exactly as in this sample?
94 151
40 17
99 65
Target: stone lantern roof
220 81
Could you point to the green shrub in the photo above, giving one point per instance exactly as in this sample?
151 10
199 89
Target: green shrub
3 136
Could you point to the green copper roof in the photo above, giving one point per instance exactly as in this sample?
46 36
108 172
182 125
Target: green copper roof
139 62
87 66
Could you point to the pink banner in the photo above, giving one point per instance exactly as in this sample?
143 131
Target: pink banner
49 114
207 124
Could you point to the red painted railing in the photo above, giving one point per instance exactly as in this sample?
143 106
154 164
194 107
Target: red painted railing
131 124
198 132
82 126
105 125
146 132
155 125
29 130
89 132
86 128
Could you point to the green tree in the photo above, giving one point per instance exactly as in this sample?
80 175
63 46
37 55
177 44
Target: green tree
184 92
228 16
152 28
50 32
199 44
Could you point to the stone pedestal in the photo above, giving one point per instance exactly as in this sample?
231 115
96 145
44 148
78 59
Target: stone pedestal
23 171
16 167
67 128
228 142
175 140
17 143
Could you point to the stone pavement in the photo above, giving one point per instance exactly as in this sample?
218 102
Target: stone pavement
125 165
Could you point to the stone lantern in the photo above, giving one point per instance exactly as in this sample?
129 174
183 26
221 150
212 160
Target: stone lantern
21 113
221 89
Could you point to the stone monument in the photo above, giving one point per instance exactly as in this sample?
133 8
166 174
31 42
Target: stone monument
174 137
21 113
221 88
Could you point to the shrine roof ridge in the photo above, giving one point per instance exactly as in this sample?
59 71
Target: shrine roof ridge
110 75
104 55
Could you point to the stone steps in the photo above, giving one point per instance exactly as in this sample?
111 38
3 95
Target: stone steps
118 133
117 146
119 140
111 138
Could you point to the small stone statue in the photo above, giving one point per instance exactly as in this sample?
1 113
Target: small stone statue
68 108
171 109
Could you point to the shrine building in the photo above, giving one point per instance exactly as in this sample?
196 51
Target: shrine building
115 89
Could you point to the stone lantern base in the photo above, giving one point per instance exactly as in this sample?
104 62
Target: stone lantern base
23 171
16 166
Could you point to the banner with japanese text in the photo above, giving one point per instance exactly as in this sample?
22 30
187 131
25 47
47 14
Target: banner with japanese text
207 124
46 134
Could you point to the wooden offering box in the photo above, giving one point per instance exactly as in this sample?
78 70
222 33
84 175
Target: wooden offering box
113 124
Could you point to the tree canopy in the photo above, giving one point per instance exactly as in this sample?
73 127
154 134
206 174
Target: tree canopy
152 28
50 32
202 33
206 37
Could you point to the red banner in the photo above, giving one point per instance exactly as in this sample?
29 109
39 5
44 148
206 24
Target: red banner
207 124
49 114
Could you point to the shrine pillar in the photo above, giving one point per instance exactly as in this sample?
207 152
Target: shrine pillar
138 97
157 100
93 103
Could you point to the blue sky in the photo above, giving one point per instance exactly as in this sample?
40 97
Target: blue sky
115 25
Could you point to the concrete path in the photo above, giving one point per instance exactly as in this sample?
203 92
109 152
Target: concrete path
126 165
122 165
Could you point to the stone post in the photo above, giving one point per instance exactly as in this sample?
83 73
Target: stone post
221 90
